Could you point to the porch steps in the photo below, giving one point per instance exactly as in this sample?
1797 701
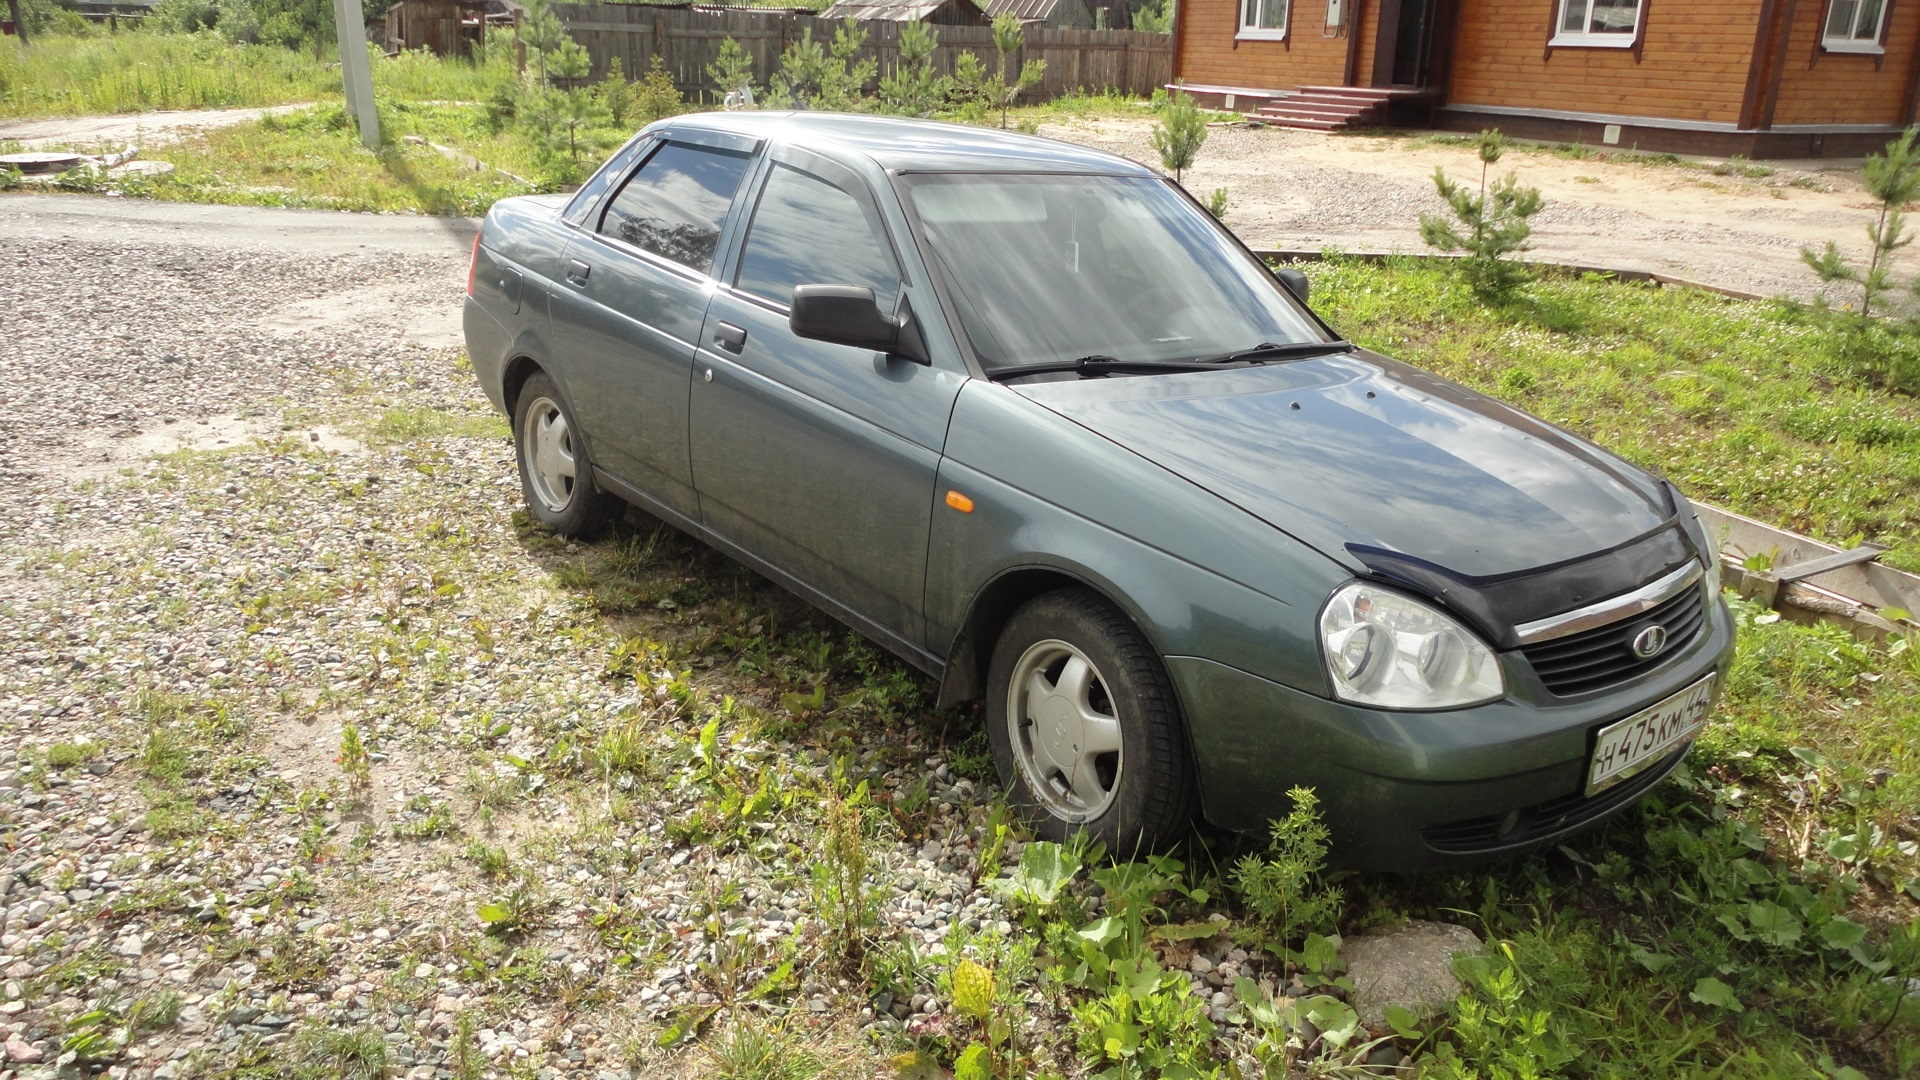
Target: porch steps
1334 108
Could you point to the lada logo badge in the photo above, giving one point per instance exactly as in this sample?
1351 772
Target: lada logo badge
1648 643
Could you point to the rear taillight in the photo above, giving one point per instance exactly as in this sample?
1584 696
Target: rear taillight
473 263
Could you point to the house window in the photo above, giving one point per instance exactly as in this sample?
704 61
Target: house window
1603 23
1854 26
1267 19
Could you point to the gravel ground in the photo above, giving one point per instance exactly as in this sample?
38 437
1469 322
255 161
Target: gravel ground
1301 190
539 866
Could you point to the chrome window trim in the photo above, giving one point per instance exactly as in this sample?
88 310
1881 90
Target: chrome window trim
1612 610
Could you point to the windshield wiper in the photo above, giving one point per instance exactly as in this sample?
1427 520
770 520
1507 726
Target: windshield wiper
1267 350
1089 366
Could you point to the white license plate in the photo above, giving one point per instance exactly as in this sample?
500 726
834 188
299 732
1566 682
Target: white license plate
1627 746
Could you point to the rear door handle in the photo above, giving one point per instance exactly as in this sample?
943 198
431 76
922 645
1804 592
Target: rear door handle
577 271
730 337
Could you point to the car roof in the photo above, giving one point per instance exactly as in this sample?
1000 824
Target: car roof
914 145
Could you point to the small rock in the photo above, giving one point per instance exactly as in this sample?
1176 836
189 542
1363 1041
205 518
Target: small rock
23 1052
130 947
1411 967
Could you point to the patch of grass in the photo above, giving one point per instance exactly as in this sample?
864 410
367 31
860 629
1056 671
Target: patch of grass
404 423
359 1054
749 1050
1750 405
66 755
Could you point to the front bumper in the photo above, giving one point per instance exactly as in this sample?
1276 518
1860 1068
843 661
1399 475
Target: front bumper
1413 790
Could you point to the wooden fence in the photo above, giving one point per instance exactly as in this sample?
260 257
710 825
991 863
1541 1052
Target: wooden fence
688 39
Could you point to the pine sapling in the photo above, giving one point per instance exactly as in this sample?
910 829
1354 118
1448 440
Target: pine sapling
732 73
1893 179
1179 133
1488 226
912 88
1009 38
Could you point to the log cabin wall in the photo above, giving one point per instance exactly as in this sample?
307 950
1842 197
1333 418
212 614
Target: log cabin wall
1821 87
1210 54
1691 62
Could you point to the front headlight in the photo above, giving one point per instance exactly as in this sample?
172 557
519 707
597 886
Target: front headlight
1386 649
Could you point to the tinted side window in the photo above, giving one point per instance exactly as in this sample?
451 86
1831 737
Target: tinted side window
809 232
587 199
674 206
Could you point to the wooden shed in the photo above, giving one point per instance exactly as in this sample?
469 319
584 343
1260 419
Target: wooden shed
937 12
442 27
1066 14
1763 78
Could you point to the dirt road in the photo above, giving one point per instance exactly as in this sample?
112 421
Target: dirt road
127 129
1304 190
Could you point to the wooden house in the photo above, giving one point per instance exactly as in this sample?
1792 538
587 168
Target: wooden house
1763 78
937 12
442 27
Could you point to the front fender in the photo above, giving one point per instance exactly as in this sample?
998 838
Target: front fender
1197 575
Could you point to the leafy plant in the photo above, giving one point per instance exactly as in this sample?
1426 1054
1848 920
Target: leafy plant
353 758
840 876
1285 890
1178 134
1488 226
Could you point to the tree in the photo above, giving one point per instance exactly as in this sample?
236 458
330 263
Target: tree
1893 179
912 88
732 71
1488 226
1009 38
1179 133
19 23
815 76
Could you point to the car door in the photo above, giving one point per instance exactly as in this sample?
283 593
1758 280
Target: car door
821 459
637 283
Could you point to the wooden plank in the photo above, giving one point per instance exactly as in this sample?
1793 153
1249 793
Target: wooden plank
1870 585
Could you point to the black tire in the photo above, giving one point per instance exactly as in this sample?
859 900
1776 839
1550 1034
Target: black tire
572 506
1148 783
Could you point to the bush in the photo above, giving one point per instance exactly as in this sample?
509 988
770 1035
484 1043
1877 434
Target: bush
1487 227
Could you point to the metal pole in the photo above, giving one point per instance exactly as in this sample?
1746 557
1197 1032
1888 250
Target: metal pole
350 26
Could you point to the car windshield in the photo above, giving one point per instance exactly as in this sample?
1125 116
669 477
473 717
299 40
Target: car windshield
1047 268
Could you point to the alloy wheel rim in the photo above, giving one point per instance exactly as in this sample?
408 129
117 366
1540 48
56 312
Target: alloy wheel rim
551 469
1064 730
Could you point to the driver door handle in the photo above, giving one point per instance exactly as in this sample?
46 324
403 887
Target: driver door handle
730 337
577 271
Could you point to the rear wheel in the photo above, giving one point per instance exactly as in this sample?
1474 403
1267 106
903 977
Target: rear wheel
556 476
1085 728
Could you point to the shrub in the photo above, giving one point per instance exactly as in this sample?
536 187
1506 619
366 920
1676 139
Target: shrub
1488 226
1179 133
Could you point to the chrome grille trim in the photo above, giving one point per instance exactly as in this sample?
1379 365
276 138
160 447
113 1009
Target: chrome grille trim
1624 606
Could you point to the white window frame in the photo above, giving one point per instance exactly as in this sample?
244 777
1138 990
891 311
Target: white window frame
1587 40
1254 32
1850 43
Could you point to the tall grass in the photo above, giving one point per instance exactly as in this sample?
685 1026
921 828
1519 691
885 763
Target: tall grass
136 71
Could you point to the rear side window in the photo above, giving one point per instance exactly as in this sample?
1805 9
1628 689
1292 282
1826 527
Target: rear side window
807 231
674 206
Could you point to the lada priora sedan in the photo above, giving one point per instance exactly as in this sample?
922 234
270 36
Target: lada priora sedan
1028 416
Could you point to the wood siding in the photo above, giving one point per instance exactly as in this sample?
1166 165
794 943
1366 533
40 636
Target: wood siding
1819 87
1692 63
1210 55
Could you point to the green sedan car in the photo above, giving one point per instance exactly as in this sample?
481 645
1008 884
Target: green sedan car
1029 417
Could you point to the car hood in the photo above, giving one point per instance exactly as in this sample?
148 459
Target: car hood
1359 451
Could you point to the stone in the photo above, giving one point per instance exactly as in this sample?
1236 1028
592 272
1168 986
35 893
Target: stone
130 947
23 1052
1411 967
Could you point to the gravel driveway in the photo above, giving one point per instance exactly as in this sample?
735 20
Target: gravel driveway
292 705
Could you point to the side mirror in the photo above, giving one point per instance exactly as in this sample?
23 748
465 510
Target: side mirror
1295 281
849 315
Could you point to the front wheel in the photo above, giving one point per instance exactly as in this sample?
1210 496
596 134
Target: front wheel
1085 729
556 476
